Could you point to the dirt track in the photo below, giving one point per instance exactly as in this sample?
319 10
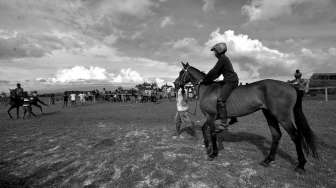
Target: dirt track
131 145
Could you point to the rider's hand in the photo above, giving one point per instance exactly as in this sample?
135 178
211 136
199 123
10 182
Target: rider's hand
200 81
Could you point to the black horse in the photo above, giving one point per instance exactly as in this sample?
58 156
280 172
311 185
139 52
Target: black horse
278 101
14 102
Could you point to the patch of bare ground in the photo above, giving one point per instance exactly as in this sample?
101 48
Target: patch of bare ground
132 145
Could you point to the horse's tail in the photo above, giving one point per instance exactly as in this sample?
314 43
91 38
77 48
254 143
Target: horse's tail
306 134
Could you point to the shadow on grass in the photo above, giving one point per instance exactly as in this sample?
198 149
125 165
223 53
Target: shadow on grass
50 113
257 140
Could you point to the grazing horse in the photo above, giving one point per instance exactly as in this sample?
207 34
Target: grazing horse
278 101
14 102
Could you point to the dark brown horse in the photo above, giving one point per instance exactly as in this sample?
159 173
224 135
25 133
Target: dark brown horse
14 102
278 101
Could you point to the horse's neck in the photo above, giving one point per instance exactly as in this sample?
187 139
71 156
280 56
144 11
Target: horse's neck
197 75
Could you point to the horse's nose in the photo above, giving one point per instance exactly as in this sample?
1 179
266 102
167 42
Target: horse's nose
175 84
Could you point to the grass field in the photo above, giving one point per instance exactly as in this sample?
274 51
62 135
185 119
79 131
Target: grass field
131 145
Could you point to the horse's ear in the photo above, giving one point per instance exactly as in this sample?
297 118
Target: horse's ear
184 65
188 64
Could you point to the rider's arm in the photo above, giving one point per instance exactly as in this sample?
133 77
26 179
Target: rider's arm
214 72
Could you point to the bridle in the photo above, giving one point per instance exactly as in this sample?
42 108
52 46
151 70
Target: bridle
196 84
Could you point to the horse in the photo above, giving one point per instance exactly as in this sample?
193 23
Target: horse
14 102
278 101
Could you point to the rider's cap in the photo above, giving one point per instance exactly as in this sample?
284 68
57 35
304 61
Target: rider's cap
219 47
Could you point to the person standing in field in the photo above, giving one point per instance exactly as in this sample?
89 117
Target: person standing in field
81 98
65 99
299 83
182 115
73 98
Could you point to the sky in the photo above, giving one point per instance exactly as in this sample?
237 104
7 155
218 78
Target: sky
48 44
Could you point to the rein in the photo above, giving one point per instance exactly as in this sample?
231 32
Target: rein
197 85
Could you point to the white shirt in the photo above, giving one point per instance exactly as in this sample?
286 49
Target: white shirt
73 96
81 96
181 102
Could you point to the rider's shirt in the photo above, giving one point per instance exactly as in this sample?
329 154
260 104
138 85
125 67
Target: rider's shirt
299 84
73 96
222 67
181 103
19 91
26 102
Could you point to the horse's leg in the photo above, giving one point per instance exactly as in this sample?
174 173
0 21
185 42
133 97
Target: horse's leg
205 137
296 138
39 106
17 112
9 110
24 112
213 147
276 135
31 111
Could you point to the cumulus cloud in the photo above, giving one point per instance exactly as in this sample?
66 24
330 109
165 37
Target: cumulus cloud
188 47
242 45
251 56
253 60
268 9
209 5
185 43
332 51
93 73
127 76
15 44
159 82
97 19
131 7
111 39
166 21
80 73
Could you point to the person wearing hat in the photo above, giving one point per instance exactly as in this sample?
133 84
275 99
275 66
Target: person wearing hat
19 91
223 67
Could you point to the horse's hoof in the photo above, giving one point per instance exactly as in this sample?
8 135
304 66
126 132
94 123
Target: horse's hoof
211 158
264 164
213 155
299 170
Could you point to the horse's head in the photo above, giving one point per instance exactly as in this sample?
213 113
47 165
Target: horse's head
184 76
12 93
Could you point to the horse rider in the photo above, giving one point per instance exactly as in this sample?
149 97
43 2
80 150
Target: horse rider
223 67
19 91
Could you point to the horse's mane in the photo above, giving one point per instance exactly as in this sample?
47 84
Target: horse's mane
201 72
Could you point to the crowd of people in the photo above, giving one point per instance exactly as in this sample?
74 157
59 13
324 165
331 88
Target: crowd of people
72 98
